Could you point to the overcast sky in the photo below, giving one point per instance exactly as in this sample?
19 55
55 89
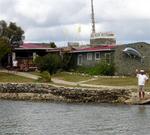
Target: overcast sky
60 20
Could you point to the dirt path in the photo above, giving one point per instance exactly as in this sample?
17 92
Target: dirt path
62 82
23 74
85 84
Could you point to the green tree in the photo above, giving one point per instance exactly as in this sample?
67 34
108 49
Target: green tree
11 36
49 62
3 26
52 45
12 33
68 62
4 47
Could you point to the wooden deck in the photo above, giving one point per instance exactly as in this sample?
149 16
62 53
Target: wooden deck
143 102
134 100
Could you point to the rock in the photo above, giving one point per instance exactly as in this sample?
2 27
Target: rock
35 91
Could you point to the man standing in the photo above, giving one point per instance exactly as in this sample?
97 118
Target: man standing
15 64
142 78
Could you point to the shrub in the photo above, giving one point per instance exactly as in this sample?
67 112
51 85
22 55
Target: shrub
49 62
68 62
101 68
45 76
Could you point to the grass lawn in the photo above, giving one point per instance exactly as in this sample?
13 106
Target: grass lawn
71 77
107 81
126 81
6 77
35 73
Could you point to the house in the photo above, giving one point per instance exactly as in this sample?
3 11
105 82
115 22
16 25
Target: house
125 61
92 55
27 52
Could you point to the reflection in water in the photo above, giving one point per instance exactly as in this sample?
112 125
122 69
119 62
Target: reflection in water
34 118
142 109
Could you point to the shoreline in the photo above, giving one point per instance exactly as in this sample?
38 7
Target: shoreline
46 92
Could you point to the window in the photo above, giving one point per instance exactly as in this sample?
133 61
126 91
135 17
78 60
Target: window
97 56
89 56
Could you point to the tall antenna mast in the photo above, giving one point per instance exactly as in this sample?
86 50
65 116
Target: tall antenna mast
92 17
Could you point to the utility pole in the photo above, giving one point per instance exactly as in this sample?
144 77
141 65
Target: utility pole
92 17
1 30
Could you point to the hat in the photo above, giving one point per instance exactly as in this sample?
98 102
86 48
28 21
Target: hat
141 70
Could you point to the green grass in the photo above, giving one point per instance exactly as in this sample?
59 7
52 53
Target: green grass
107 81
125 81
35 73
6 77
74 77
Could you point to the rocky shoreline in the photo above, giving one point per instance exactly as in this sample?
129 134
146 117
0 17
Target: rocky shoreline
36 91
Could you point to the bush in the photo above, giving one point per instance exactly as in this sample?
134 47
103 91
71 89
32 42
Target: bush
68 62
49 62
101 68
45 77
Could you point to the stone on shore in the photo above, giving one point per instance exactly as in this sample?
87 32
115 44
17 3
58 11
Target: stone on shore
35 91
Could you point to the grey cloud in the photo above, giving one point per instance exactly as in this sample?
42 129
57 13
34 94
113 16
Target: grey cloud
130 30
6 5
57 34
111 15
7 9
68 13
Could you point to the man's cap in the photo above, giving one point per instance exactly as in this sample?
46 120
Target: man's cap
141 70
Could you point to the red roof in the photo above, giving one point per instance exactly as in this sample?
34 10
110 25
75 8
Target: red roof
35 46
95 49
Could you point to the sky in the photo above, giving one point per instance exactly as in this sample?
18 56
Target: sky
63 21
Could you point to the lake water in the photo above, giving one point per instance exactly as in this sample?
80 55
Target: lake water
45 118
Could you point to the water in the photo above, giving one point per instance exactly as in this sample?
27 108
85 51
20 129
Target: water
40 118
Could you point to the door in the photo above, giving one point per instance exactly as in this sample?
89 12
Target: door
80 59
